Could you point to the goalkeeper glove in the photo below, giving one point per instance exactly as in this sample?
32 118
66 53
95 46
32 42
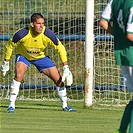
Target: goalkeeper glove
67 75
5 67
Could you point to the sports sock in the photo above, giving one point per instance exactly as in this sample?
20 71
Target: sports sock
14 92
61 91
126 117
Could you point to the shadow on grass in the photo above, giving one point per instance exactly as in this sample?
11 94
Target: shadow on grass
36 107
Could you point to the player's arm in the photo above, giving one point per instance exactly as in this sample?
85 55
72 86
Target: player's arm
9 49
130 26
106 26
8 52
52 40
55 42
106 17
67 75
62 52
130 36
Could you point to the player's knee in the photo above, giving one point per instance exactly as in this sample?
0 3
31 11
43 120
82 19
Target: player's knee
59 82
18 77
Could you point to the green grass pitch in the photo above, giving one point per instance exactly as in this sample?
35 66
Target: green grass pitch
48 117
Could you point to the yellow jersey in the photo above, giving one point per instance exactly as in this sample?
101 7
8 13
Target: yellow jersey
33 47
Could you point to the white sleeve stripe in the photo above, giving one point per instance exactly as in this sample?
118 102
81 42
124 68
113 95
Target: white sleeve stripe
130 21
107 11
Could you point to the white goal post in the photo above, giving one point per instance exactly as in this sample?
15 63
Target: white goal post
89 38
97 79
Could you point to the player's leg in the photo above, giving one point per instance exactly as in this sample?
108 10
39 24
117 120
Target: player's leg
131 124
53 74
20 69
125 121
47 67
127 72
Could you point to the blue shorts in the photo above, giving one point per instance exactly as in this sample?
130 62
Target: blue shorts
41 64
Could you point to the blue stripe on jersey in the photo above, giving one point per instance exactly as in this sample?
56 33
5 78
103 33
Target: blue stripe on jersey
20 34
51 35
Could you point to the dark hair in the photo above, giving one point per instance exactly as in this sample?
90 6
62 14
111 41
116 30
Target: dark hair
36 16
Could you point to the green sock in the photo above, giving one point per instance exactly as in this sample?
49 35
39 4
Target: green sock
126 117
131 123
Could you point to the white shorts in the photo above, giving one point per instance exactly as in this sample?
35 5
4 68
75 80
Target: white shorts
127 72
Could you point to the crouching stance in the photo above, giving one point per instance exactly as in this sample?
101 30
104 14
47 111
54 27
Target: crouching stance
30 44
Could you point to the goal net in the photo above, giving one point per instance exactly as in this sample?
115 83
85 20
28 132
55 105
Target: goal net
67 19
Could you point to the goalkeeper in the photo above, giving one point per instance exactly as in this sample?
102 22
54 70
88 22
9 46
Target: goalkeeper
121 13
30 44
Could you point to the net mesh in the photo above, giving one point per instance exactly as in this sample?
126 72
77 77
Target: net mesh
67 19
